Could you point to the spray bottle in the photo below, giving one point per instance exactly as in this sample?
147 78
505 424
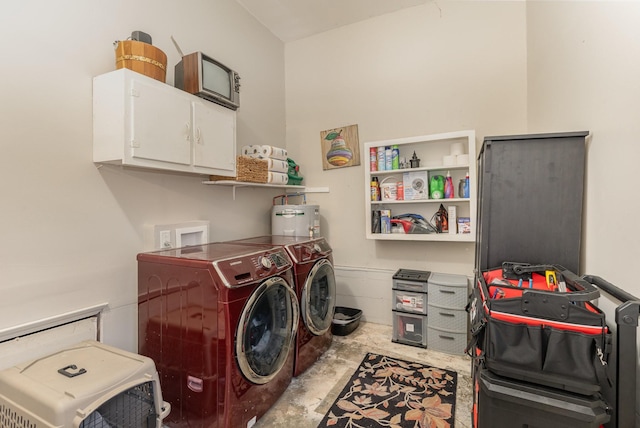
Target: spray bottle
395 157
448 187
375 189
466 186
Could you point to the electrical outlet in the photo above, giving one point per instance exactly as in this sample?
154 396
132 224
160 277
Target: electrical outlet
165 238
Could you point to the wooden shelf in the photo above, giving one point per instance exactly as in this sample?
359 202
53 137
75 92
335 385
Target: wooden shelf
287 188
435 237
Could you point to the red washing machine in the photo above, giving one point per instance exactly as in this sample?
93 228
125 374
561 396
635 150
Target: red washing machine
219 321
315 285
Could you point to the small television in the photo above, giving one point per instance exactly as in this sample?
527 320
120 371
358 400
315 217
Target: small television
207 78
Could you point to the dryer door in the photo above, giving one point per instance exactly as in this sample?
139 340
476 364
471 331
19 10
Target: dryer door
319 297
266 330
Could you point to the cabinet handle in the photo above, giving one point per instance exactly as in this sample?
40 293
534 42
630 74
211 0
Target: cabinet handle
444 314
187 135
198 136
447 291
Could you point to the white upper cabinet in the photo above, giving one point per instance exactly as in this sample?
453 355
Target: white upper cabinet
141 122
212 128
160 122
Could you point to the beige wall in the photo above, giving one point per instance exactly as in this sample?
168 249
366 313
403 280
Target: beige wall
445 66
70 230
584 73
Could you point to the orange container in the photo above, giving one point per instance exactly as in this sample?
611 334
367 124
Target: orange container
142 58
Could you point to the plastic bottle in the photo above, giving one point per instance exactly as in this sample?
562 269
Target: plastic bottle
395 157
448 187
375 189
436 187
381 160
373 159
466 186
388 154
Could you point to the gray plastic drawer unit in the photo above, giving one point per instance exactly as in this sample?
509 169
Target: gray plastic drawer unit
408 301
411 280
447 326
448 291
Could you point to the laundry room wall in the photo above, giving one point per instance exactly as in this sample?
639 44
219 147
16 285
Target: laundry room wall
71 228
583 75
440 67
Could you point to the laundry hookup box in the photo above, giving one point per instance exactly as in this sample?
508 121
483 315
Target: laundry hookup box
86 385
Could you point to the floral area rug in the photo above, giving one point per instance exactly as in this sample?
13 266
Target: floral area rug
389 392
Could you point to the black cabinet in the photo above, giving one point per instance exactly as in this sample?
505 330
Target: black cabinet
530 199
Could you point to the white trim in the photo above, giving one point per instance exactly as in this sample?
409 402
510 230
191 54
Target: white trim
45 323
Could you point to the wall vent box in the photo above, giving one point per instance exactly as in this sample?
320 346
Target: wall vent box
85 385
176 235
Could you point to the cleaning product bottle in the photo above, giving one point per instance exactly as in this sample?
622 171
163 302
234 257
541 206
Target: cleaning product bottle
466 186
388 156
448 187
395 157
373 159
381 159
375 189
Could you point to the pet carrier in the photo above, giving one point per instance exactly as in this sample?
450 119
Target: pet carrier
90 385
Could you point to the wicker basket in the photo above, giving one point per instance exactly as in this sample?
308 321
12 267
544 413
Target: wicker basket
142 58
248 169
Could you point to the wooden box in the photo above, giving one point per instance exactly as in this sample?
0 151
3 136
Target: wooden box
142 58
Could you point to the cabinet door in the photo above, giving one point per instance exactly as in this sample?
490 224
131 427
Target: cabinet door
214 136
160 123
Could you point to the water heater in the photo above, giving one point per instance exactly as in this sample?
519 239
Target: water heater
295 220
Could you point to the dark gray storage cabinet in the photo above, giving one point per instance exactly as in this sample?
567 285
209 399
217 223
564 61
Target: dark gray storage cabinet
530 197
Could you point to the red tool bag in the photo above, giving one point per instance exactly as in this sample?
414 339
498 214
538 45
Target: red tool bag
537 324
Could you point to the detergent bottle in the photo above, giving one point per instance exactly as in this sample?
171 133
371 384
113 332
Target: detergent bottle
436 187
448 187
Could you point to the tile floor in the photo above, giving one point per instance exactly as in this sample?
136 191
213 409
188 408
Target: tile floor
311 394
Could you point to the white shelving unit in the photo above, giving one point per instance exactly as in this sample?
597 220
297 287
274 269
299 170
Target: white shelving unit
430 149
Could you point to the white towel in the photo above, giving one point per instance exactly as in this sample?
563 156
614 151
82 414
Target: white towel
250 150
277 178
264 152
273 152
277 165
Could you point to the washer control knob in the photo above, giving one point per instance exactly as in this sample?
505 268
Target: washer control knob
265 262
317 248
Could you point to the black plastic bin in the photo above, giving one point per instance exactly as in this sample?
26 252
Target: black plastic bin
507 403
345 320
